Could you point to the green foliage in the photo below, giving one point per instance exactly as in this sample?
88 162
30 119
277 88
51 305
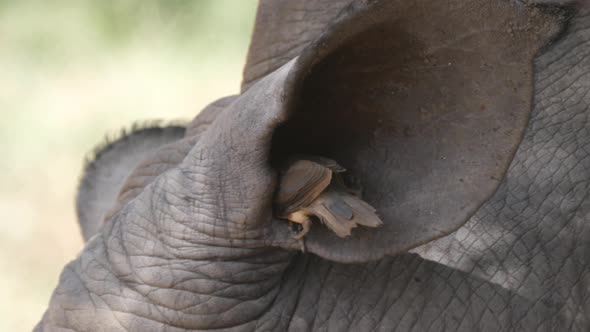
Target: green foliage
45 30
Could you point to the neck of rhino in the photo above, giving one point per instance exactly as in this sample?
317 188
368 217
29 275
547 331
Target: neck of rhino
164 270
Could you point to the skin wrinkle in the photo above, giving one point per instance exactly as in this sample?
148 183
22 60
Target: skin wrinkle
143 282
167 156
440 312
567 87
129 263
301 304
222 291
295 292
106 295
378 313
356 296
411 295
471 294
554 238
414 297
368 312
446 305
219 200
412 307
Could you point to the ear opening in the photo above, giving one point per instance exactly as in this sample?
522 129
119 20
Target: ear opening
425 102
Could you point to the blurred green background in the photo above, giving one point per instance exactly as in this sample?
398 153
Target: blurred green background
72 71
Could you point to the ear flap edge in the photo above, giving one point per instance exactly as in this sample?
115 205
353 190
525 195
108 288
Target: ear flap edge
426 109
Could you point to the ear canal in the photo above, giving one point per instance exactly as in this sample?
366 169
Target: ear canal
425 102
106 173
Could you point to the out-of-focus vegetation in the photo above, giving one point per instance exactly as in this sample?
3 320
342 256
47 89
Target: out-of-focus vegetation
71 71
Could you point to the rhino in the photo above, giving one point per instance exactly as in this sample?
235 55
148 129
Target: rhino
466 124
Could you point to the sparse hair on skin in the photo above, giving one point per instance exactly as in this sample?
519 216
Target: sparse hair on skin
123 134
107 166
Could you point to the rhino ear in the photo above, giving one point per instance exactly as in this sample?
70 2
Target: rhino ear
111 164
425 102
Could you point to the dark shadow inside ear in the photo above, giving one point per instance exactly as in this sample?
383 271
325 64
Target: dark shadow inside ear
425 103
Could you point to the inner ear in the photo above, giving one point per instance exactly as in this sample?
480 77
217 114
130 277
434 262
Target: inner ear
425 102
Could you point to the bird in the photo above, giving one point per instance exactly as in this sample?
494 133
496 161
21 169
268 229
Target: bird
312 188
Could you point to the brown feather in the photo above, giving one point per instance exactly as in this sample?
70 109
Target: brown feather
341 212
341 226
326 162
364 214
331 164
314 188
300 185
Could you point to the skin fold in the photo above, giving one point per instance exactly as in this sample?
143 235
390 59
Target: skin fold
191 243
110 167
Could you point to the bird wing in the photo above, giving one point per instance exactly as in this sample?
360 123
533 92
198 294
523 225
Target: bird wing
326 162
341 211
329 163
300 185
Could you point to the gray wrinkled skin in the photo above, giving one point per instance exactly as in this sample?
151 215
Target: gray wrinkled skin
103 177
533 237
191 247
